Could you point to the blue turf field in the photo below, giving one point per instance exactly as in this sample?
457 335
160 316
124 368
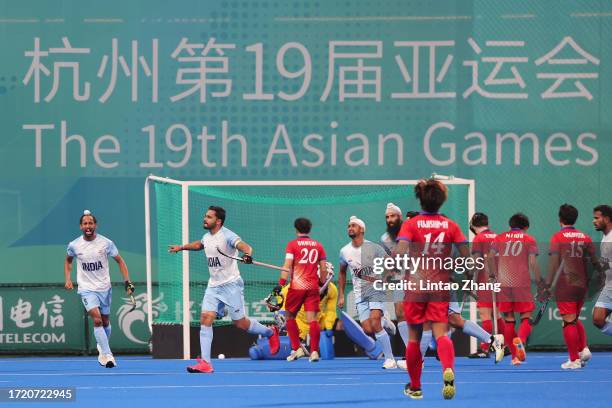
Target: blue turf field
142 381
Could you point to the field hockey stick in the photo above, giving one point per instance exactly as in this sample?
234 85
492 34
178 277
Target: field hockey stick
278 268
544 304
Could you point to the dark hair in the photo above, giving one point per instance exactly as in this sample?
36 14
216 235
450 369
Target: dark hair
431 193
605 210
302 225
568 214
479 220
87 215
519 220
411 214
219 212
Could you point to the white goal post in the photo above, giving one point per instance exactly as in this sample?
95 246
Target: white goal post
185 185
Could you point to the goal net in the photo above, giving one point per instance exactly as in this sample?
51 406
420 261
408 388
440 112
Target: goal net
262 214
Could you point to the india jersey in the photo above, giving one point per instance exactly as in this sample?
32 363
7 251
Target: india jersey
387 243
606 255
481 247
572 246
431 237
222 269
92 262
513 249
306 254
360 261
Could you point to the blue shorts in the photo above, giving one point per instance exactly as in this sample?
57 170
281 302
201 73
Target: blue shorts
605 299
230 294
92 299
364 308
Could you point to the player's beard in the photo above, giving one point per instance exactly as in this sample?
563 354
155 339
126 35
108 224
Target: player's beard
393 230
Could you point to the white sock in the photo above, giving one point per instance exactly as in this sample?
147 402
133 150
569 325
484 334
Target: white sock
385 343
425 340
258 328
102 340
107 330
206 337
472 329
402 327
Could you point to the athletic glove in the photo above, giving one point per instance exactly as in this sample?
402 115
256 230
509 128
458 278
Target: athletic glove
129 287
247 259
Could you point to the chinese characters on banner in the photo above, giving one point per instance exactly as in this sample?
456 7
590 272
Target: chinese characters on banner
355 70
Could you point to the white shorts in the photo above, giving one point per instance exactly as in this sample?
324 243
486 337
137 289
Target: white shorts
453 305
605 299
364 308
92 299
230 294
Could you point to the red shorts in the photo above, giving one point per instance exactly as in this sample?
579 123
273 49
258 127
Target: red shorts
515 299
482 305
484 299
566 308
298 297
420 312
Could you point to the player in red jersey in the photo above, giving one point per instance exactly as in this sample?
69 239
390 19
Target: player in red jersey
429 236
479 225
304 256
511 258
567 275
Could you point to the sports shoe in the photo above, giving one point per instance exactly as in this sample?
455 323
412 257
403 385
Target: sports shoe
401 364
479 354
414 394
295 354
448 391
314 357
515 362
274 341
201 367
572 365
110 361
389 364
101 356
520 349
388 326
497 346
585 355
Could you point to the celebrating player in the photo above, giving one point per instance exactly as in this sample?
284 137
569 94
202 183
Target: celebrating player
305 258
516 256
429 235
568 248
225 285
602 220
479 224
93 279
358 256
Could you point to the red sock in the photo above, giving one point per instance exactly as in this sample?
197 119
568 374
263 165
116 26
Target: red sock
570 333
524 330
500 326
509 335
315 333
414 361
582 341
487 325
294 334
446 351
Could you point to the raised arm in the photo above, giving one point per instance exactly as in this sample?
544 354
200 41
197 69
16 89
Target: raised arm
192 246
